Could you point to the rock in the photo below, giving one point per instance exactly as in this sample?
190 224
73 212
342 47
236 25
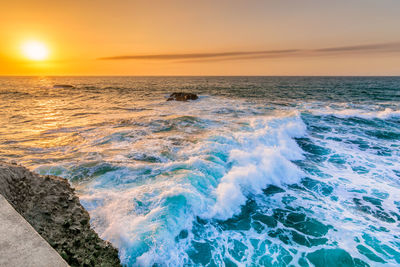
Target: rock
63 86
50 205
182 97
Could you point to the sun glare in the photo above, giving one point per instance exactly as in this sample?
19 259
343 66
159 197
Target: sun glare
34 50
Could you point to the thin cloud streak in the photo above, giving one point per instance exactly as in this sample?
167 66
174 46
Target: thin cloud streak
386 47
197 55
243 55
248 57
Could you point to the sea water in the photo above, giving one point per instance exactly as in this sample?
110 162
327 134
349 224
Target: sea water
259 171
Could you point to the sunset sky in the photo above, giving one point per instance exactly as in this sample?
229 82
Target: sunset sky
270 37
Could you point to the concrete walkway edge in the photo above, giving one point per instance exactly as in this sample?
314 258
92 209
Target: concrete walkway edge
20 244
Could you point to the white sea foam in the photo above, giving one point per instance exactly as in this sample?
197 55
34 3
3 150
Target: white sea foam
263 157
143 221
360 113
143 218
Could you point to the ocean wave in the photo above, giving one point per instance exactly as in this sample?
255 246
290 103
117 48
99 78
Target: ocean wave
387 113
263 157
218 181
212 180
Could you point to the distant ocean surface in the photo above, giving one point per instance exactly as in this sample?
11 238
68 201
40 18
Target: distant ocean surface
260 171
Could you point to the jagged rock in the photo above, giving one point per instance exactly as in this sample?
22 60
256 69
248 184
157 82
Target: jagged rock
50 205
182 97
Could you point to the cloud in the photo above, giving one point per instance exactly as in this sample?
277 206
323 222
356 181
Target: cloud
388 47
241 55
198 55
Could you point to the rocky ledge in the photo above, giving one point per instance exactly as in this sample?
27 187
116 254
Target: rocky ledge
50 205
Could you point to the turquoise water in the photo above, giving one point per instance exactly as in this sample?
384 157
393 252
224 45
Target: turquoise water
260 171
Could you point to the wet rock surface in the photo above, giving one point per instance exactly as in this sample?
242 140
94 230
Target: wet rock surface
182 96
63 86
50 205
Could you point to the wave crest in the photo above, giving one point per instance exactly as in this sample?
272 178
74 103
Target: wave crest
264 157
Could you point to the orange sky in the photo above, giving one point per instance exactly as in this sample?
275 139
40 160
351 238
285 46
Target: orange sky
192 37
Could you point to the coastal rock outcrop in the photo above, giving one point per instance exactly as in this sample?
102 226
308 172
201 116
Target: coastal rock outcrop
63 86
182 97
50 205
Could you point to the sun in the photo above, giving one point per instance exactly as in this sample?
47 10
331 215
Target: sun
35 50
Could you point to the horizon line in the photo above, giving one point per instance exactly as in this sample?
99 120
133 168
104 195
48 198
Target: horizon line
109 75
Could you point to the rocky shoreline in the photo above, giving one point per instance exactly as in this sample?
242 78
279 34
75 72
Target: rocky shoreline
50 205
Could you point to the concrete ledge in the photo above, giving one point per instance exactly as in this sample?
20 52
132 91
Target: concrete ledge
20 244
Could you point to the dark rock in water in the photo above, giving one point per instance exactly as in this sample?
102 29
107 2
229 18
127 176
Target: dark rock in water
50 205
182 97
63 86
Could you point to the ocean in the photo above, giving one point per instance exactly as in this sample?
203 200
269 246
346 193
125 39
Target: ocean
259 171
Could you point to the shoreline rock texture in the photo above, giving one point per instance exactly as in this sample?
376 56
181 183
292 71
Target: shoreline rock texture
50 205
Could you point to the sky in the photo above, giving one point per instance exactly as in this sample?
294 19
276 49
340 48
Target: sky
219 37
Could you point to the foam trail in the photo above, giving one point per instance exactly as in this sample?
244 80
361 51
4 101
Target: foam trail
359 113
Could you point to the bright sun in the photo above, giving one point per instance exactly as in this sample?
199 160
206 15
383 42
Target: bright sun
35 50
